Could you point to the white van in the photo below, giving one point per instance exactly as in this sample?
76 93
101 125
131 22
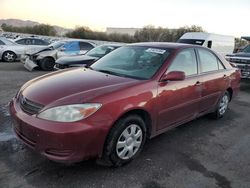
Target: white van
221 44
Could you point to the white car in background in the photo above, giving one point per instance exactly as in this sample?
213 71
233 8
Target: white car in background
10 51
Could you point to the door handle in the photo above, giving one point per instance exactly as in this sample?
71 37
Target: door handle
198 83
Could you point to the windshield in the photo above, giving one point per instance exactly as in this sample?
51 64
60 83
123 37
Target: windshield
132 61
191 41
7 42
100 51
57 44
246 49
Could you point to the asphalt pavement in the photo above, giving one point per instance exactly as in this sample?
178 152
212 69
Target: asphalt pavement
202 153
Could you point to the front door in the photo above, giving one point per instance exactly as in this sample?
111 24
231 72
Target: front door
178 101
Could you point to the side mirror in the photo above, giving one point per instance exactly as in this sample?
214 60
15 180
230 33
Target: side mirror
173 76
62 49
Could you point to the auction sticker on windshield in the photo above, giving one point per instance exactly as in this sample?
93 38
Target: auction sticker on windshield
156 50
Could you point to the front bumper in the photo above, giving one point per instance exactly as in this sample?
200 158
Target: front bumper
23 58
243 63
244 68
63 142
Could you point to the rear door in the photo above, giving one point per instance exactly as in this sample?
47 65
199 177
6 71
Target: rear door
178 101
214 78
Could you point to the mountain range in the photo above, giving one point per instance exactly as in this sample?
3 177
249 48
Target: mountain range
23 23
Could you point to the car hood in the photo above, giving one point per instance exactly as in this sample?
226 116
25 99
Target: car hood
46 52
240 54
79 59
38 49
73 86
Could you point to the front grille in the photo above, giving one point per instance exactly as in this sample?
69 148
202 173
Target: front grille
244 67
28 106
33 57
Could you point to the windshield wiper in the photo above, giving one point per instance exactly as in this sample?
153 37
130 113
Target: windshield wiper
111 72
105 71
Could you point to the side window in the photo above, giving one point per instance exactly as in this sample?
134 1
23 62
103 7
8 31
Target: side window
209 44
86 46
185 61
209 62
21 41
33 42
72 46
40 42
28 42
1 43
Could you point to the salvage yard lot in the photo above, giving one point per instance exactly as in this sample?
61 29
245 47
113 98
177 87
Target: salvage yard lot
202 153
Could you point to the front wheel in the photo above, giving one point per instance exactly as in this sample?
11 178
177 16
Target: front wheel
9 56
222 106
47 64
125 140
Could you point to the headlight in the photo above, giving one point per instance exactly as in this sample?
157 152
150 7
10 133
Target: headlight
38 57
69 113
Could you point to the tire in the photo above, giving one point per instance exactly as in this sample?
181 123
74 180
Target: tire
47 64
222 106
9 56
125 141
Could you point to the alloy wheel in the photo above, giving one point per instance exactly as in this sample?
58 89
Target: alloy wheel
129 142
9 56
223 104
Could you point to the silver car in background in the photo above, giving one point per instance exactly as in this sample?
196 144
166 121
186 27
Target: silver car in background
45 57
10 51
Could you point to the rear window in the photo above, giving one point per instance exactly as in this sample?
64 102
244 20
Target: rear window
192 41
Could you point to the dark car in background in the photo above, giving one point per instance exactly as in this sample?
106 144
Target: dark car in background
241 60
86 59
32 41
109 109
45 58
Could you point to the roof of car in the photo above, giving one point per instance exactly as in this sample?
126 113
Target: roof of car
163 45
113 44
29 38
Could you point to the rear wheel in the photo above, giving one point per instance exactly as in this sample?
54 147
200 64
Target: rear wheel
125 140
47 63
222 106
9 56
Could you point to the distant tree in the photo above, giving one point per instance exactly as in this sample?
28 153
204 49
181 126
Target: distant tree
79 32
41 29
150 33
86 33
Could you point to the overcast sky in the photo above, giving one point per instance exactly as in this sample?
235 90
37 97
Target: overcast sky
229 17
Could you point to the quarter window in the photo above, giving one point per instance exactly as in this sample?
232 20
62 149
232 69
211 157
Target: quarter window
1 43
209 62
185 61
221 67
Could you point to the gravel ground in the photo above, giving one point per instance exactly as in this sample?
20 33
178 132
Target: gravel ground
202 153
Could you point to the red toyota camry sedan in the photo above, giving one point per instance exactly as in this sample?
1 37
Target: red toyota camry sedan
109 109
